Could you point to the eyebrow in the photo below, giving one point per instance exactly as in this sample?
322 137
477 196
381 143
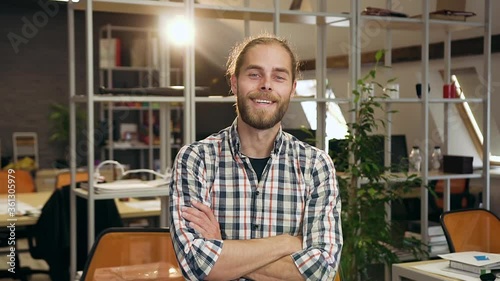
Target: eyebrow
275 69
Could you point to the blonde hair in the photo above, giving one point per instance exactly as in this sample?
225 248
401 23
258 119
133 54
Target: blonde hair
238 52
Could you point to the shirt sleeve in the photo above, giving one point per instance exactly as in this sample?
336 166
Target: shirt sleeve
322 230
195 255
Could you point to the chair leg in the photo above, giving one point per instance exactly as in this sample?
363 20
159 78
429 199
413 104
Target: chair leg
20 271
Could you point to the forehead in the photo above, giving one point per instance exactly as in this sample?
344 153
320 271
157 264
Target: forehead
268 55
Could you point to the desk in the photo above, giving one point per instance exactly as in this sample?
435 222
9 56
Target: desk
407 270
38 199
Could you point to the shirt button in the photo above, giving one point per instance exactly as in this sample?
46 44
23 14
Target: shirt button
257 193
255 227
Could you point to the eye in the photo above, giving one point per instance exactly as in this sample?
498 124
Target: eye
280 78
253 75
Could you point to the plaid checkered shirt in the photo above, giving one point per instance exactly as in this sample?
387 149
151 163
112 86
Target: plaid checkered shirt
297 195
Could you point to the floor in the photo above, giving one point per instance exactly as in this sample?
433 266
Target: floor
26 260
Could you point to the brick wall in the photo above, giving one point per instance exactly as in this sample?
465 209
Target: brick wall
34 65
32 73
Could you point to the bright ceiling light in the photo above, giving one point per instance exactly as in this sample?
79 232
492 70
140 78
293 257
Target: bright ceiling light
180 31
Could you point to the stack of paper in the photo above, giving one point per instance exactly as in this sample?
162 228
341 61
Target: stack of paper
22 209
126 185
437 240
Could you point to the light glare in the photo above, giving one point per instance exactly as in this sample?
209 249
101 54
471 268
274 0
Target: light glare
180 31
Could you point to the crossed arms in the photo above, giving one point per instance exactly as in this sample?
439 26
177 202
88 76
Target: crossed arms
259 259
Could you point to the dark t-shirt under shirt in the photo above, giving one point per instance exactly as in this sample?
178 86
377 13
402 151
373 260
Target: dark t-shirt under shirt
258 165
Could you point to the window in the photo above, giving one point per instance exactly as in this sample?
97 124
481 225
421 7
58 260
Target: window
470 85
336 125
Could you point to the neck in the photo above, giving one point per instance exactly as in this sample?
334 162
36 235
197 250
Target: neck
256 143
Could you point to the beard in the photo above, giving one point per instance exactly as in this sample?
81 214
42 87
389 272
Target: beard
261 119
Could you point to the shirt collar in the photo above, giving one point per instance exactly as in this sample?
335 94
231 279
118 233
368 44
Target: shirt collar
234 139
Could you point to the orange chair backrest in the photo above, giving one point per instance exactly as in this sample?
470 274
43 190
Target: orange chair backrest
457 186
19 181
337 276
64 178
133 254
472 230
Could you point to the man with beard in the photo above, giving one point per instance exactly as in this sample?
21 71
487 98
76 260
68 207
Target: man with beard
252 202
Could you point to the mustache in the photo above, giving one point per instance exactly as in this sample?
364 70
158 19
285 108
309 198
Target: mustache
264 96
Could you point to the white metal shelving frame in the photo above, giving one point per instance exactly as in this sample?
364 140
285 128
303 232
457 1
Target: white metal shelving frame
106 75
426 26
190 10
321 20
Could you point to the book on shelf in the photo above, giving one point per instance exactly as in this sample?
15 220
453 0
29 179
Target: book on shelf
436 244
473 261
109 52
447 17
432 239
450 15
433 228
439 249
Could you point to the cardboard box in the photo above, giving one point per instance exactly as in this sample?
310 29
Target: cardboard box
45 179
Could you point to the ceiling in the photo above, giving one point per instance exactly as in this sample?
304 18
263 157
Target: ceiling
217 33
303 36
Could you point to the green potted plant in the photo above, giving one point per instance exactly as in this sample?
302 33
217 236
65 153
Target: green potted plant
59 118
366 188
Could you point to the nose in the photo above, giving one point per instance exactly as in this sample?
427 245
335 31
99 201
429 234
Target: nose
266 84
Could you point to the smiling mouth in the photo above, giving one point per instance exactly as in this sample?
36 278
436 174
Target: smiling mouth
260 101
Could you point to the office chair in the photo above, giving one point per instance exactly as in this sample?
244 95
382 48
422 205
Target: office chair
50 239
132 253
460 198
22 180
64 178
24 183
471 230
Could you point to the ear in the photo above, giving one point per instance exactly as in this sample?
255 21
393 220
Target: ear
294 86
234 83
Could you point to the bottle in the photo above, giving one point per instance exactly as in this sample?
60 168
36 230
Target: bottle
436 158
415 159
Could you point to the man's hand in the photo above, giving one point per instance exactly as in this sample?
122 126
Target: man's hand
202 219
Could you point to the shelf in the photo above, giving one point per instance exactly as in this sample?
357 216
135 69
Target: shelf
400 100
126 28
416 24
139 147
129 68
125 98
129 108
150 7
431 100
445 176
143 192
147 7
473 100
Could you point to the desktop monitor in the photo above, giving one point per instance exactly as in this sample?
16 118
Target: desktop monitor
399 152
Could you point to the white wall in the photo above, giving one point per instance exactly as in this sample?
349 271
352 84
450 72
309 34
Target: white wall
408 120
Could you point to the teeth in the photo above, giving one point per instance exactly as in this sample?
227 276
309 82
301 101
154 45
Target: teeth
263 101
